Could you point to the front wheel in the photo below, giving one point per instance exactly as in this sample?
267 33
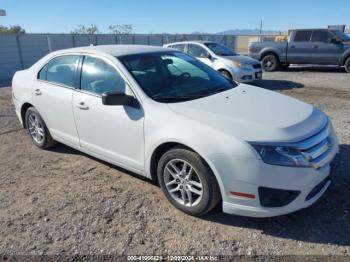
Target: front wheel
226 74
188 182
270 63
347 65
38 130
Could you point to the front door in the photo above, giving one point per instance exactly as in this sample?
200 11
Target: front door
200 53
325 52
113 132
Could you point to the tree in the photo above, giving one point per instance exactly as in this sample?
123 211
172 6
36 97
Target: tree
120 29
15 29
82 29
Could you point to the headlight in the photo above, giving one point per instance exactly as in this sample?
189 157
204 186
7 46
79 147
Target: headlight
282 156
242 65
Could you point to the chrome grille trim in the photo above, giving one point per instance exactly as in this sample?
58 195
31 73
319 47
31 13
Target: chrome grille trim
319 149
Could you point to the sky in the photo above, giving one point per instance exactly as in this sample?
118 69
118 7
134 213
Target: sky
175 16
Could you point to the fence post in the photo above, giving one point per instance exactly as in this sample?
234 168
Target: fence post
73 40
49 44
19 51
96 40
148 40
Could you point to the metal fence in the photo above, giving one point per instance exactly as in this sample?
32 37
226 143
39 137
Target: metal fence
21 51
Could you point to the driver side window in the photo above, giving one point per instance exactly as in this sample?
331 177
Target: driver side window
197 51
98 76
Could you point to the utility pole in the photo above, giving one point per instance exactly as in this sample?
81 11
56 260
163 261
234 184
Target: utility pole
261 24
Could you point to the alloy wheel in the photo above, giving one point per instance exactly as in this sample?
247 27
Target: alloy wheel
182 182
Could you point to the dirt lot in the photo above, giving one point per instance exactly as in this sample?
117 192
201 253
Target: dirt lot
64 202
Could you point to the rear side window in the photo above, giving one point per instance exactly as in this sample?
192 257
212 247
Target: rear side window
98 76
180 47
302 36
60 70
321 36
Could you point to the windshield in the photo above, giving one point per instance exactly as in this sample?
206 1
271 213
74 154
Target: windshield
174 76
220 50
341 35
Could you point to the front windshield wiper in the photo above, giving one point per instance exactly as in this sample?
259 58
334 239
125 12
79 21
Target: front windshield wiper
177 98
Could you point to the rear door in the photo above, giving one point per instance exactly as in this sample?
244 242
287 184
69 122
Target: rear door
324 51
53 92
300 49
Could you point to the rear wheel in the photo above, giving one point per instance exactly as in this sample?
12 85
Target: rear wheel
347 65
188 182
38 130
270 63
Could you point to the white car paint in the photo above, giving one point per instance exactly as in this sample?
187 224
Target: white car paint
227 63
220 128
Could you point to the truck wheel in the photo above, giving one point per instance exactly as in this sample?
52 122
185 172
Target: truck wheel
270 63
347 65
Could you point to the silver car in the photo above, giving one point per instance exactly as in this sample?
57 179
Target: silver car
223 59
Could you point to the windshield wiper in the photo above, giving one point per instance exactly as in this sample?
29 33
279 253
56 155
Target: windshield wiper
177 98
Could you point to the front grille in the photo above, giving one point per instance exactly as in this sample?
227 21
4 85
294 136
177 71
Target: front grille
257 66
316 149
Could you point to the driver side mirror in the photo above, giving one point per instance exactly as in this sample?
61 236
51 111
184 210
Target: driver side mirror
115 98
335 41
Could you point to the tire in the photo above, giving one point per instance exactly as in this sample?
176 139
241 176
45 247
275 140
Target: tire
37 129
226 74
201 180
270 63
347 65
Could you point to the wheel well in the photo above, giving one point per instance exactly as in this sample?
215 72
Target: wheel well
24 108
345 59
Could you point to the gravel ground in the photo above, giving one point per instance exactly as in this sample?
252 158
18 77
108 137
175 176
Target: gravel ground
64 202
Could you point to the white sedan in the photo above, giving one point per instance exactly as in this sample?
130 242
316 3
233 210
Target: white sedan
167 116
224 60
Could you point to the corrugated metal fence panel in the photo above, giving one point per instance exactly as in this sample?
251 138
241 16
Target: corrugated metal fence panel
106 40
33 47
9 57
60 41
21 51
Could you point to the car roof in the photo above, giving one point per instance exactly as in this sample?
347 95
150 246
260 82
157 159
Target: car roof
191 41
116 50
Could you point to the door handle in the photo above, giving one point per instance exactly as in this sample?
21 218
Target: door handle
292 46
315 46
37 92
82 106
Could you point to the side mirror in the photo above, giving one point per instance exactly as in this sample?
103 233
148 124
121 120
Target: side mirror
115 98
335 41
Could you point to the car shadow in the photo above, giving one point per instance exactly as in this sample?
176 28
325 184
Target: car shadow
277 84
325 222
314 68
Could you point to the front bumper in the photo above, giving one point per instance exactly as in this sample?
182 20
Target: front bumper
247 175
247 75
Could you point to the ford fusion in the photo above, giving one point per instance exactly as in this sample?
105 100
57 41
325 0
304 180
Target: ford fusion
167 116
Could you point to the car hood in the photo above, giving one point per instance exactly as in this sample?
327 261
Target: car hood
242 59
254 114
